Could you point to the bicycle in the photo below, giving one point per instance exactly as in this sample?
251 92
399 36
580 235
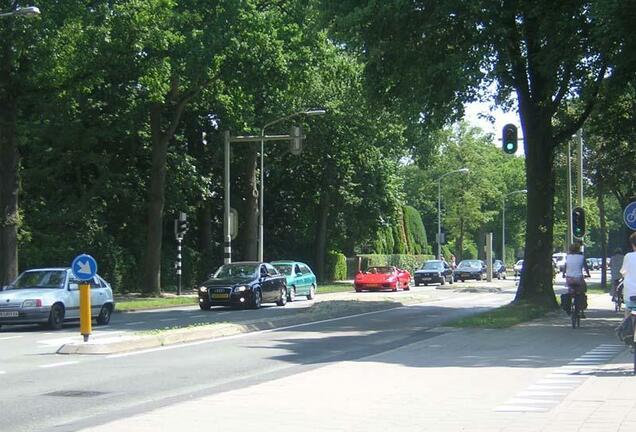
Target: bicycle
576 311
618 297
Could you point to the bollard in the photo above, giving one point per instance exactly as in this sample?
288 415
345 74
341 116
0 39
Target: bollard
85 311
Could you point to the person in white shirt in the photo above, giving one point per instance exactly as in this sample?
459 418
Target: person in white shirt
628 270
574 279
616 263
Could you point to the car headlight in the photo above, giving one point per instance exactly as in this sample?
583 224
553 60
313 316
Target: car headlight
32 303
241 288
203 289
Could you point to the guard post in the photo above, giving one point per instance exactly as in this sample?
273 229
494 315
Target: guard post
84 268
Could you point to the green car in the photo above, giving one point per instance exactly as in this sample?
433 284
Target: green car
301 281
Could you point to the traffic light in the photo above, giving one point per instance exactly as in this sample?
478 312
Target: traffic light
181 225
509 138
578 222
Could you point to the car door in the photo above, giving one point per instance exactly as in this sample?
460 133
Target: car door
309 276
300 280
72 301
275 282
98 295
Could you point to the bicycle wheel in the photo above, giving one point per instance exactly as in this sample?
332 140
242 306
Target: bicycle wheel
576 313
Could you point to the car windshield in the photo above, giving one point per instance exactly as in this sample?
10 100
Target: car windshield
432 265
470 264
234 270
381 270
285 269
52 279
520 263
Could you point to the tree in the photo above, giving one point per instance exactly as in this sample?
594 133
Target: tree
432 57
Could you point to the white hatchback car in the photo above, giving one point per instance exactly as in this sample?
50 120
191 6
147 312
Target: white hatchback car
51 296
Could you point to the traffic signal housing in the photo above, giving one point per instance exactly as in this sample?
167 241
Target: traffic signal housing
180 226
509 138
578 222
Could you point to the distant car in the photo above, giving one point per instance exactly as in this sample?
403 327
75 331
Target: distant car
382 278
559 260
243 284
300 279
590 263
498 269
518 268
470 269
51 296
433 271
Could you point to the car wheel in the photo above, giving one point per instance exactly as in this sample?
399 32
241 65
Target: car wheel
312 292
408 286
56 317
282 300
425 284
205 305
417 283
104 315
463 280
358 290
292 294
452 280
257 299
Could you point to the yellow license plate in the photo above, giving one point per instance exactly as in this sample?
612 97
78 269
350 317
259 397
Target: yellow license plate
220 296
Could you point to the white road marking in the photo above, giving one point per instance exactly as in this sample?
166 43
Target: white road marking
52 365
168 319
135 323
513 408
540 393
198 316
10 337
518 401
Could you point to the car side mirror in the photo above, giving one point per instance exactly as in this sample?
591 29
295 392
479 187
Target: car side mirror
73 287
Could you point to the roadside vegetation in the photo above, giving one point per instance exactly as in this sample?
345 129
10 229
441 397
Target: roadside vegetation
503 317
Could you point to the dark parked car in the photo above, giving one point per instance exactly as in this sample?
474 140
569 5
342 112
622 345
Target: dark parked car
498 269
434 271
244 284
470 269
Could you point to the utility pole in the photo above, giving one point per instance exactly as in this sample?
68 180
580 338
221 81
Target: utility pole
569 238
579 164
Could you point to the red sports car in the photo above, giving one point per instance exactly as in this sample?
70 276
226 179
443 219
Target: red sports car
381 278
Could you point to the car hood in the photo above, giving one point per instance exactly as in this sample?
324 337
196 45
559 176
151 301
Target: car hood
468 269
16 295
374 278
428 271
228 281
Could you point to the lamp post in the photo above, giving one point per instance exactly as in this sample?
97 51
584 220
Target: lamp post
28 11
503 222
439 209
307 112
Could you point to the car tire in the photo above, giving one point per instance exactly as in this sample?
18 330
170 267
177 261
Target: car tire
56 317
104 315
205 305
463 280
417 284
312 292
425 284
452 280
358 290
282 301
291 296
408 286
256 299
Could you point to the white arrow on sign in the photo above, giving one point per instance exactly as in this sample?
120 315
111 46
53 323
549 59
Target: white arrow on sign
84 267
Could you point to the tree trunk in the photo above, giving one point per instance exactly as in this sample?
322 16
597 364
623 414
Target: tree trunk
460 241
535 285
601 214
9 161
156 199
321 234
249 227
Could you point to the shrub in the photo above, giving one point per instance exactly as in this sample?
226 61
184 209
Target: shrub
336 266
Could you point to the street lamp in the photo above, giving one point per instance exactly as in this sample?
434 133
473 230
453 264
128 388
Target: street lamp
503 222
439 209
307 112
29 11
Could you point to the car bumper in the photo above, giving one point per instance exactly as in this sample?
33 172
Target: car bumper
375 287
429 278
233 299
467 275
24 315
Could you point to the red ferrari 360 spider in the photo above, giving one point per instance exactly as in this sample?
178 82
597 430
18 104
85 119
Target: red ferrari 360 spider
381 278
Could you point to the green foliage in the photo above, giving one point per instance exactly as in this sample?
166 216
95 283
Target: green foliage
336 266
406 262
415 232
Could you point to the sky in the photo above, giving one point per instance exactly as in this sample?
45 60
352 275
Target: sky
501 118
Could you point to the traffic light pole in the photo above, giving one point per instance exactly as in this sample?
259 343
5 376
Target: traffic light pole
178 266
579 163
569 237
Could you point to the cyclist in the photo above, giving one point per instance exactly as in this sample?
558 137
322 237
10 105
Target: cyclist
628 270
616 262
574 266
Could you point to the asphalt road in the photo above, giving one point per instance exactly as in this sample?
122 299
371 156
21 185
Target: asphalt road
68 392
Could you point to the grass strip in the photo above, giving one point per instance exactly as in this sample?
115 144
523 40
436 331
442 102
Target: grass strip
503 317
154 303
334 288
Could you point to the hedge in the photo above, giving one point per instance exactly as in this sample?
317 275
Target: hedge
404 261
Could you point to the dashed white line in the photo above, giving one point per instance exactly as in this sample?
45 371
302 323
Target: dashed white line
198 316
135 323
52 365
168 319
10 337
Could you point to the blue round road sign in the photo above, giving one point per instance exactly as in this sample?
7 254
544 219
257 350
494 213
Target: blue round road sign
629 215
84 267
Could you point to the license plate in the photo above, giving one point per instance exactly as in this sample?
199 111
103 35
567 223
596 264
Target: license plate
220 296
466 275
373 286
11 314
427 278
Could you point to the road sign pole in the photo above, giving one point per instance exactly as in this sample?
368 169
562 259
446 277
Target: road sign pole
86 324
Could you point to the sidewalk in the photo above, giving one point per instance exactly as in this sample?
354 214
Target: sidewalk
539 376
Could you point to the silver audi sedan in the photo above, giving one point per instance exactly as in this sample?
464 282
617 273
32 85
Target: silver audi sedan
50 296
